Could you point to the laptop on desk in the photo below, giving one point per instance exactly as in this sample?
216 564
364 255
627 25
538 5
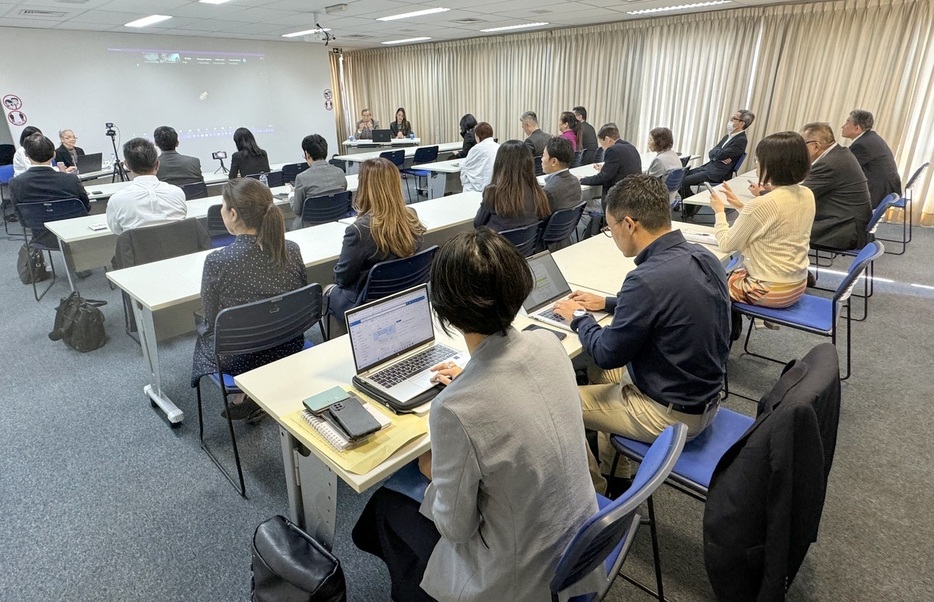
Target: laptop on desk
382 135
393 345
549 286
90 163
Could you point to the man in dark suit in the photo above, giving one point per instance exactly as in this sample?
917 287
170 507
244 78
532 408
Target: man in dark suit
620 159
67 154
175 168
536 139
874 156
723 157
42 183
841 195
562 188
588 137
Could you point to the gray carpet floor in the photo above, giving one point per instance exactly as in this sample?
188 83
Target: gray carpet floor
101 500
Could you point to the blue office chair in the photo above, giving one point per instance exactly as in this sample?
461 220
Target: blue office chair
423 154
324 209
397 157
388 277
673 183
290 171
6 174
197 190
607 536
739 163
577 159
220 237
817 315
34 216
556 230
273 178
906 203
251 328
524 238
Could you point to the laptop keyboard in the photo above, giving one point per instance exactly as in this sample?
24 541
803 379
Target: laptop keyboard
395 374
549 314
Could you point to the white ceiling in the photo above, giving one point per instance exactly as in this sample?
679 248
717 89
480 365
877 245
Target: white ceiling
356 27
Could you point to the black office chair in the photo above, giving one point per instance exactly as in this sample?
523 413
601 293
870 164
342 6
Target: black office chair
324 209
33 217
198 190
388 277
588 156
739 163
7 152
291 171
251 328
397 157
578 157
673 181
217 230
537 162
423 154
273 178
558 228
523 238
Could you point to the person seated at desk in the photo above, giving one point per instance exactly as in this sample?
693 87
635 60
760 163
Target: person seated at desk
874 156
146 201
320 179
175 168
477 168
662 358
562 188
509 486
535 138
20 160
588 139
570 129
366 125
400 127
620 159
514 198
67 154
467 124
665 160
259 264
384 229
249 159
42 183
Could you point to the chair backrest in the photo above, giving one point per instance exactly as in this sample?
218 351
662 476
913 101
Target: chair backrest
914 177
164 241
877 213
685 159
614 526
328 208
196 190
273 178
290 171
425 154
265 324
6 174
388 277
673 179
35 215
7 152
736 261
578 157
739 163
523 238
867 255
562 223
220 236
537 162
396 156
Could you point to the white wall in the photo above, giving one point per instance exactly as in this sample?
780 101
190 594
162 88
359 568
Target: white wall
80 80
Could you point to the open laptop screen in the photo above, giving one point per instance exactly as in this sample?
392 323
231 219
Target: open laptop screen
390 327
92 162
550 284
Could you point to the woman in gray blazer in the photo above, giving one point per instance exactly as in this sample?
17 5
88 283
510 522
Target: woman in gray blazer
508 468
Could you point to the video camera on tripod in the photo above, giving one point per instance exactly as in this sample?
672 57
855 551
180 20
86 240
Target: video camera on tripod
119 171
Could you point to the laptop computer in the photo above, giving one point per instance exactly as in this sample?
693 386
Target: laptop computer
393 344
382 135
89 163
550 286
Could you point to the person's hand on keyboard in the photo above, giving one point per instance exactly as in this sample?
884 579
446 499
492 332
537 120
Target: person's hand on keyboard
445 372
589 301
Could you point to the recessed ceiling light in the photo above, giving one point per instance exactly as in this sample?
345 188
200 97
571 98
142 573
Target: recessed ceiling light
406 41
306 32
418 13
213 1
508 27
147 21
646 11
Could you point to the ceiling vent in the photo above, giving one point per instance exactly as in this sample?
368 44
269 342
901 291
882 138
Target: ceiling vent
42 14
72 1
468 21
356 36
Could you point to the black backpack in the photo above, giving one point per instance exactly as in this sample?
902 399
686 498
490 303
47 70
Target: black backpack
31 266
79 323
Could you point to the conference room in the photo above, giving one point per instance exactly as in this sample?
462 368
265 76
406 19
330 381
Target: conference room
106 485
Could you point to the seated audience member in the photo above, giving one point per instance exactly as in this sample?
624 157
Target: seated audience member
772 231
508 481
570 129
841 195
874 156
588 139
366 125
146 201
535 138
514 198
467 124
320 179
67 154
722 157
562 188
384 229
620 159
665 160
259 264
175 168
20 160
477 167
249 159
663 357
42 183
400 127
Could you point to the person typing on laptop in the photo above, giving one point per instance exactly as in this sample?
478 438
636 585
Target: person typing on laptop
662 358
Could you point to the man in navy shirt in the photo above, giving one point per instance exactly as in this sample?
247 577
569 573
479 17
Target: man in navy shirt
663 357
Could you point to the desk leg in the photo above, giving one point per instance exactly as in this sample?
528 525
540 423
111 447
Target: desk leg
436 185
61 247
312 490
147 341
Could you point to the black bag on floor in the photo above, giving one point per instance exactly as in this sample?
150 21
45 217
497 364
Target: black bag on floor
290 566
31 265
79 323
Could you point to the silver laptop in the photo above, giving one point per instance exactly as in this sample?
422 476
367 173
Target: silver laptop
550 286
89 163
393 343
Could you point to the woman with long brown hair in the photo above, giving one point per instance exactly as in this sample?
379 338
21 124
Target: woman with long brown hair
514 198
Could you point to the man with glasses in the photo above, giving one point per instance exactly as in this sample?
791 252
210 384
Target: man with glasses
67 154
841 194
874 156
662 358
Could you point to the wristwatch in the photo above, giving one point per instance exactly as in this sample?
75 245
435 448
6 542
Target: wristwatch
579 313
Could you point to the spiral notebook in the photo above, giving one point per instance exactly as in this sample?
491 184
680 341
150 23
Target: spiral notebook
332 436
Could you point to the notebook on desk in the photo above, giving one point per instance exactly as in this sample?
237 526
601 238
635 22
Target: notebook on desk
393 345
704 238
549 286
89 163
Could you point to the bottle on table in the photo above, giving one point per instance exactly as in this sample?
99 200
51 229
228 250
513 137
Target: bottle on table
263 179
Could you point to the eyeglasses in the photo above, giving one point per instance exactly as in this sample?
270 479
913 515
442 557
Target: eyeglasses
735 119
606 231
812 142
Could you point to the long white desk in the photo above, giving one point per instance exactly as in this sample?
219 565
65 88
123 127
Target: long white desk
353 161
353 147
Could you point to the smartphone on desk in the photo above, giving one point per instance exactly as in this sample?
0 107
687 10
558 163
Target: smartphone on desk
319 404
352 418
